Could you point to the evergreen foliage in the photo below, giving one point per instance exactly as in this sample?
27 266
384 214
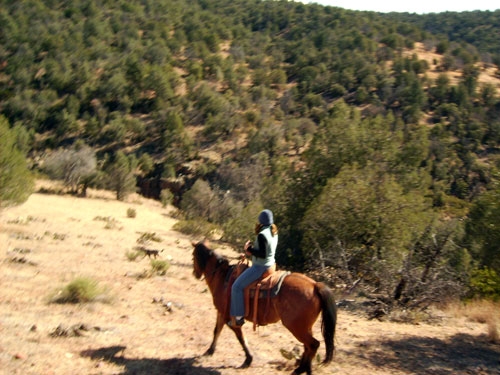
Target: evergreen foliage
326 116
16 181
120 174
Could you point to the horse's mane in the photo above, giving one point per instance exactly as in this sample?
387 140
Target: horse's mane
203 253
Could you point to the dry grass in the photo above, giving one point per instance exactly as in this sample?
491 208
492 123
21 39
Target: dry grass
479 311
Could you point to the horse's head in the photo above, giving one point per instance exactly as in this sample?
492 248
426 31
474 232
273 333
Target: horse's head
201 255
204 257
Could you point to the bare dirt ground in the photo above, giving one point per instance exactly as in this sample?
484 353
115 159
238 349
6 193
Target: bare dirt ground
162 324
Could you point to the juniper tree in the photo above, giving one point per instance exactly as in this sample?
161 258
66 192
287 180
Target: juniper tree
16 181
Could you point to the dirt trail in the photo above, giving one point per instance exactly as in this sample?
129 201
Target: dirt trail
162 324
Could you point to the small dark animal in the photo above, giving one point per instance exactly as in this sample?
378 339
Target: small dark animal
151 253
298 304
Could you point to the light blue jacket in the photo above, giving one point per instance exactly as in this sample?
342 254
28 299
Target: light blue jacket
270 251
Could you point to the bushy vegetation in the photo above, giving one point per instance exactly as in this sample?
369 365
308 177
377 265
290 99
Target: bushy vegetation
197 227
159 267
485 283
76 167
16 181
373 169
147 237
131 213
132 255
477 28
80 290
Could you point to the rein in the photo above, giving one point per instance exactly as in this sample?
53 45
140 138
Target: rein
218 264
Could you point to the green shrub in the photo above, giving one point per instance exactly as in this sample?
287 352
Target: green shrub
111 223
166 197
131 213
195 227
159 267
485 283
16 179
132 255
147 237
80 290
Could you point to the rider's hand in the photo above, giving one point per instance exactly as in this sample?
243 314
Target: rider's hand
246 247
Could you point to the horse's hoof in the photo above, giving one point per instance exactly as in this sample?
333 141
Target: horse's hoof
300 370
209 352
247 362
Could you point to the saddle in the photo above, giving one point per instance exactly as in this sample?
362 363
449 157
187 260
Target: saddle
264 288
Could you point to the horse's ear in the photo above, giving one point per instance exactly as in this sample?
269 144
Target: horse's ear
194 243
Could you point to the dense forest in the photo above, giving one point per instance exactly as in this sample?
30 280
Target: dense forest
381 166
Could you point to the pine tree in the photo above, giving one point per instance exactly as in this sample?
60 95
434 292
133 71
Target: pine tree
16 181
121 174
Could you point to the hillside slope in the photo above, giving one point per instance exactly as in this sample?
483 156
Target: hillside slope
51 239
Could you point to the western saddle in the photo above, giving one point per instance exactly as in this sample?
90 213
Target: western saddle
266 287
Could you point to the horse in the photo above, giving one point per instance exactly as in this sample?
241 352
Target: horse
298 305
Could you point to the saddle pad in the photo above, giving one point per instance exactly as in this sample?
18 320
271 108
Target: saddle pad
270 286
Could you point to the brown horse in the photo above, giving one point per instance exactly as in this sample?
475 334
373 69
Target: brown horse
297 305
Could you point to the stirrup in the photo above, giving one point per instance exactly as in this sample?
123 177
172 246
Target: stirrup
236 323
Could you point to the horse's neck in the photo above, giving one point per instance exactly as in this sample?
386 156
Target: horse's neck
215 276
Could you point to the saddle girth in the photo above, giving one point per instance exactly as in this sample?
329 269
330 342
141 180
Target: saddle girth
267 287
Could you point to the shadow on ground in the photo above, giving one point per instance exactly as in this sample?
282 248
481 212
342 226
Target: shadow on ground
149 366
460 354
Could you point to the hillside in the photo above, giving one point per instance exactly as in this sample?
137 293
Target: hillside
162 324
374 140
488 72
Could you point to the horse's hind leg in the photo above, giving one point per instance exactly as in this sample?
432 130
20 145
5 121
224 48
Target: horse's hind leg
219 324
311 346
307 357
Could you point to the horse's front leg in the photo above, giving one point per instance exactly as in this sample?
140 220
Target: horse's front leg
243 341
219 324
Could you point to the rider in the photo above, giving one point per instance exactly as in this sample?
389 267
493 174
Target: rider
262 252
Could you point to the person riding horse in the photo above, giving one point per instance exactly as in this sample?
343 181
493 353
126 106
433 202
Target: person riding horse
297 305
263 253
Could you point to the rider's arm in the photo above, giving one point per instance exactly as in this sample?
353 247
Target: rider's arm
261 251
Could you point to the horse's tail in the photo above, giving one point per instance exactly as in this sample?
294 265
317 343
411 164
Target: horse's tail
329 319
